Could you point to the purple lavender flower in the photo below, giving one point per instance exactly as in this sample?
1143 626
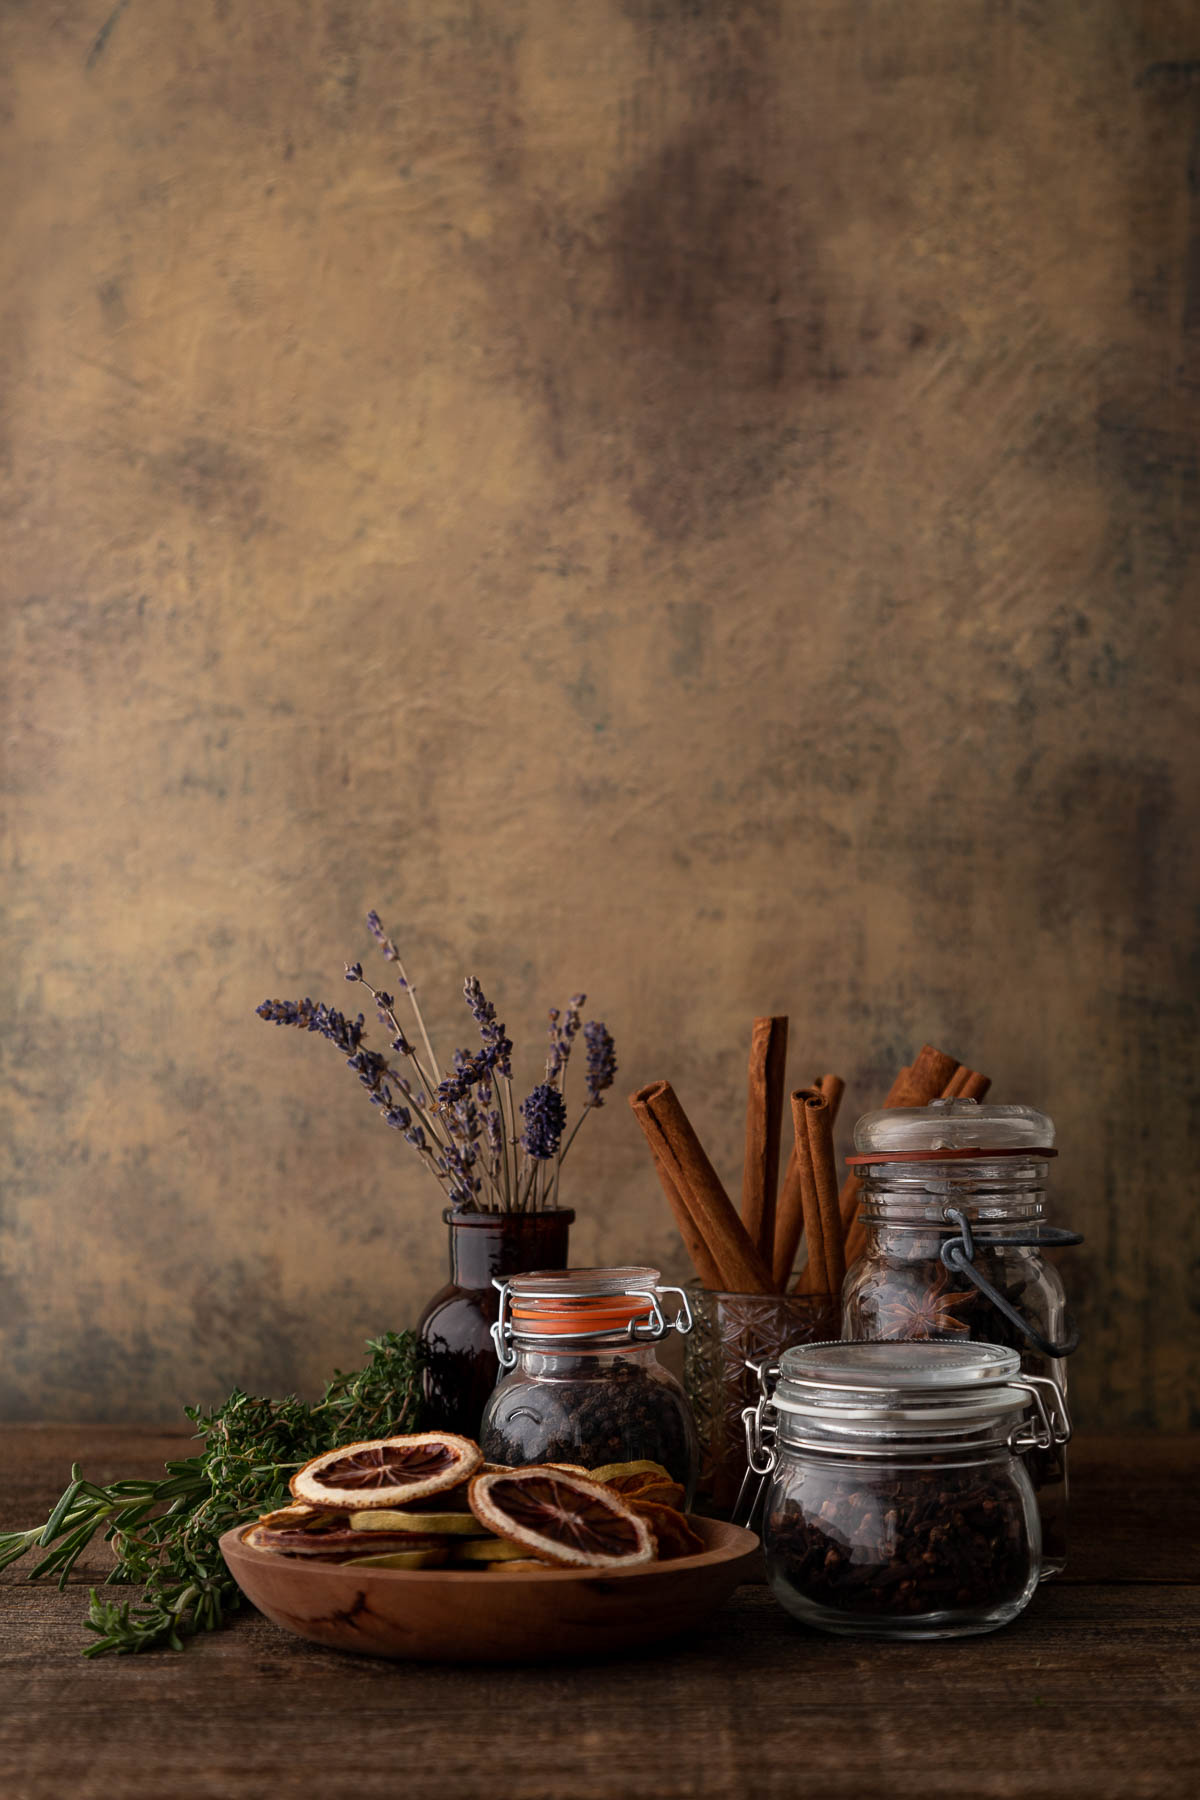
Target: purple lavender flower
545 1114
455 1087
307 1015
563 1035
390 952
492 1033
494 1127
601 1060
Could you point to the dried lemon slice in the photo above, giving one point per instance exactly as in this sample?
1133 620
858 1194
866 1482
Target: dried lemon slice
400 1559
449 1524
612 1474
562 1518
386 1471
487 1550
299 1517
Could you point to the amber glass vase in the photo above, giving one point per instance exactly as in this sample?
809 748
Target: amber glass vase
455 1330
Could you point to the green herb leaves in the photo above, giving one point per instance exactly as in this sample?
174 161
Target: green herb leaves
165 1533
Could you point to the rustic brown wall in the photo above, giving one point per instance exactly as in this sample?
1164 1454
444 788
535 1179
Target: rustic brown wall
695 501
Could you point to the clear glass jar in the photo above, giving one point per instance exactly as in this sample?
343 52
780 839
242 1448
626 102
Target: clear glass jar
899 1503
953 1203
579 1380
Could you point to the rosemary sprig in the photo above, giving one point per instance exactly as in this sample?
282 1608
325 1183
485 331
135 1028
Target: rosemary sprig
165 1532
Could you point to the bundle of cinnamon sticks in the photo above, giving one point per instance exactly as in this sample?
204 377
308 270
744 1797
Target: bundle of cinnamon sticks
756 1252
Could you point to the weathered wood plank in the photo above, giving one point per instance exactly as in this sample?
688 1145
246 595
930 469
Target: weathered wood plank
1093 1691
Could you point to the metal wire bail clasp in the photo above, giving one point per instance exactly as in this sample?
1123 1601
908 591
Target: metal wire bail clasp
760 1444
1052 1427
506 1356
658 1324
958 1254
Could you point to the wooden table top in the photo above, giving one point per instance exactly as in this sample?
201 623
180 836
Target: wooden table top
1093 1691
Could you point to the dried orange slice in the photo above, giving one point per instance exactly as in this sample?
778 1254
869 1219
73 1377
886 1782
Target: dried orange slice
386 1471
673 1535
562 1518
648 1487
334 1543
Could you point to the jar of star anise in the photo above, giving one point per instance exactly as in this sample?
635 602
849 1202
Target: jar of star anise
579 1379
899 1503
952 1204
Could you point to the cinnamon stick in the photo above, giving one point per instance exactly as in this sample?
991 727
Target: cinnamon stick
766 1083
966 1084
833 1087
670 1135
799 1209
789 1221
924 1081
826 1268
693 1242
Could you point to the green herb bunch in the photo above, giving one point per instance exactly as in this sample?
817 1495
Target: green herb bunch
165 1532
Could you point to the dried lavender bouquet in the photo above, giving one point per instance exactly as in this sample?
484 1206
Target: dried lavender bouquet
462 1120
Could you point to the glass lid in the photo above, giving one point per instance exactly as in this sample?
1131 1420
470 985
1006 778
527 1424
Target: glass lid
903 1369
931 1385
955 1126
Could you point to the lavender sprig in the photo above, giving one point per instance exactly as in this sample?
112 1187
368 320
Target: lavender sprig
374 1072
392 955
545 1114
492 1033
562 1035
601 1060
463 1122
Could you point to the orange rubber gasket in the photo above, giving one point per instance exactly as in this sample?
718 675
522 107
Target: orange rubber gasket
589 1315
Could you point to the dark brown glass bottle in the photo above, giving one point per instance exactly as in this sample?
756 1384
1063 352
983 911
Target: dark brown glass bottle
455 1330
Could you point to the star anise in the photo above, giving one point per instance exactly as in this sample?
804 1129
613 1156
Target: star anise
924 1312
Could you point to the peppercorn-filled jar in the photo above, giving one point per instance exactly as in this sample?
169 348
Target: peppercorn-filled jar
952 1202
579 1380
899 1504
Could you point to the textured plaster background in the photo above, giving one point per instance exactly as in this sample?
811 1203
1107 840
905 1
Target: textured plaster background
693 501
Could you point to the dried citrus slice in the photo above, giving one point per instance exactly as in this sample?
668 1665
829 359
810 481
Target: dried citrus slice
400 1559
386 1471
672 1533
448 1524
298 1516
486 1550
562 1518
334 1543
612 1473
648 1487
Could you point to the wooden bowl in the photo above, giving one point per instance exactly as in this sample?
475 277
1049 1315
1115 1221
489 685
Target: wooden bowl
456 1615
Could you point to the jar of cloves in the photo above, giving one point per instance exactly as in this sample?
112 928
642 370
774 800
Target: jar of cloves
579 1379
899 1503
952 1205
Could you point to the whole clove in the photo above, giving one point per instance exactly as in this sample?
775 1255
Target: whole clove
898 1543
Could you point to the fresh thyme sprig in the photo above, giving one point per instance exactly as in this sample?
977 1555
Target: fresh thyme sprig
165 1532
